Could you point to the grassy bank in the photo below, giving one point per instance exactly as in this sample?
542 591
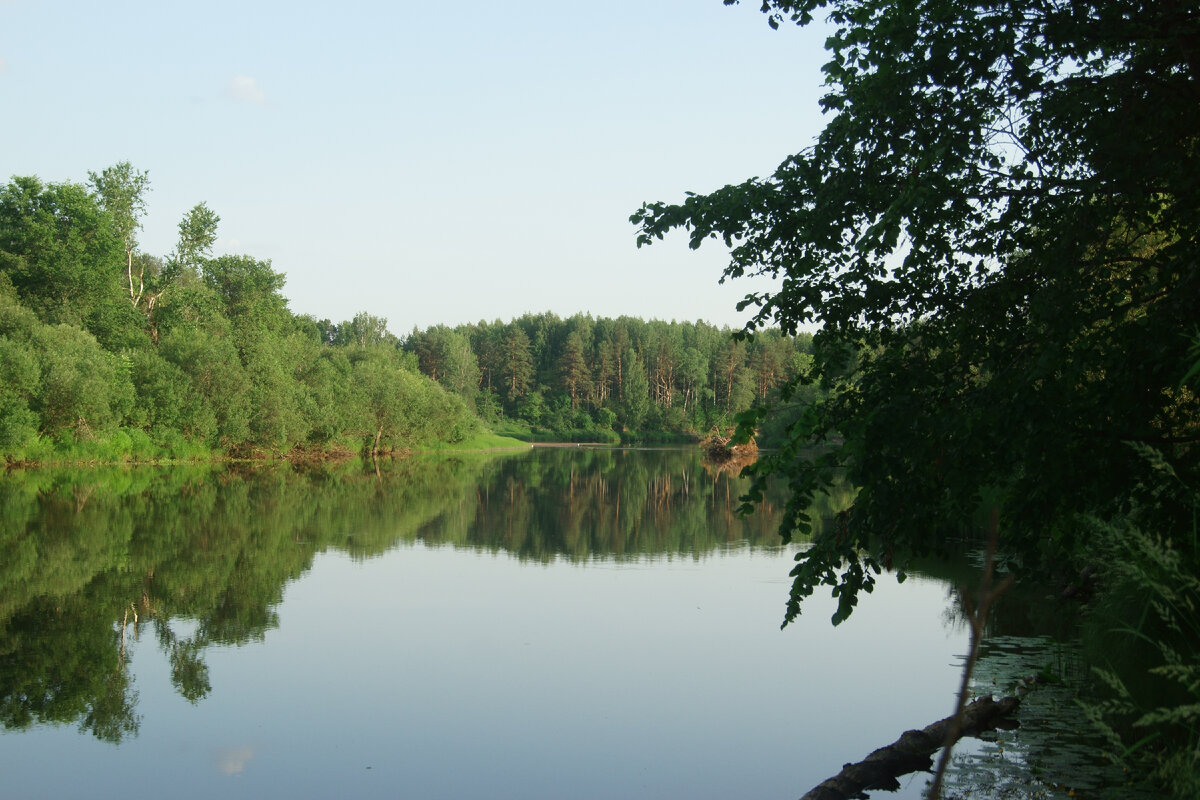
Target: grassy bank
135 447
480 441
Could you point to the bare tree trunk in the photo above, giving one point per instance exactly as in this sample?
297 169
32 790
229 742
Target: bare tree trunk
134 297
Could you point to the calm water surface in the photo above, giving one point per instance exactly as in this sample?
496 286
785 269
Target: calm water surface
556 623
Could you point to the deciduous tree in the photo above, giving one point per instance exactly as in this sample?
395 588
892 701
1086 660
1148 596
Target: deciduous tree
59 250
1002 219
122 191
197 235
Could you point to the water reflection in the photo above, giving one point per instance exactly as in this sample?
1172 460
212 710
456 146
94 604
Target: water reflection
633 620
191 558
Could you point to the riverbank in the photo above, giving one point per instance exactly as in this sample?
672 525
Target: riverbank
103 454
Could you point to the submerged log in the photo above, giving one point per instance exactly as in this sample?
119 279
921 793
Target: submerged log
913 751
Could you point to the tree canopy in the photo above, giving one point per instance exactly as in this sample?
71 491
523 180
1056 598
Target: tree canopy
585 378
110 353
999 221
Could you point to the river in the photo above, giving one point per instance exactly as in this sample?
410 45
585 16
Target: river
546 624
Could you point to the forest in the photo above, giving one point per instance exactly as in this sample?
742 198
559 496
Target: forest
625 379
108 353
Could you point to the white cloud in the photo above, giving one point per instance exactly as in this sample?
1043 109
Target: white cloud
3 65
246 90
232 761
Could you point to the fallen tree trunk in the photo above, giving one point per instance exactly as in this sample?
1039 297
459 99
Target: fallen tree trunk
912 752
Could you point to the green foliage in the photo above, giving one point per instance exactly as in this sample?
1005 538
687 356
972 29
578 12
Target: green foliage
565 377
1151 716
365 330
165 397
516 367
122 192
330 404
60 251
635 391
1007 261
197 234
20 373
57 378
249 291
446 356
110 354
404 410
83 387
998 234
217 380
575 378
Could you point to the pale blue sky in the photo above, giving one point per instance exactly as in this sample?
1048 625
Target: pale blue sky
425 162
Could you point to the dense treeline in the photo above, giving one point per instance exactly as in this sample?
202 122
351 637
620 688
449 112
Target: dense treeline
108 352
584 377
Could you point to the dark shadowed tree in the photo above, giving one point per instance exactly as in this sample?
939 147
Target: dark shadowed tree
1002 219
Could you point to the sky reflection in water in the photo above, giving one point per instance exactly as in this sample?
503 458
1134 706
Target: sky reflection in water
434 672
438 671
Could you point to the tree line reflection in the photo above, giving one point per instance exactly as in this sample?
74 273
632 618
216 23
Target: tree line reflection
92 560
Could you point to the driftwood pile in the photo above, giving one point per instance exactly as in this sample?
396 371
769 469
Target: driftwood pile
718 450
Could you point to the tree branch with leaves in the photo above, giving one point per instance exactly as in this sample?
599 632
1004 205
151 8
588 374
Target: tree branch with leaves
122 191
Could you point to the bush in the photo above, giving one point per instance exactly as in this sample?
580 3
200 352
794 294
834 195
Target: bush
1144 637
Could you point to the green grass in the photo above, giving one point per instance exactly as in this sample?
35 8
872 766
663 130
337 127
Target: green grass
482 441
518 429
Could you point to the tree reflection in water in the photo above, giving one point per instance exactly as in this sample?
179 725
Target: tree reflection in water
94 560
